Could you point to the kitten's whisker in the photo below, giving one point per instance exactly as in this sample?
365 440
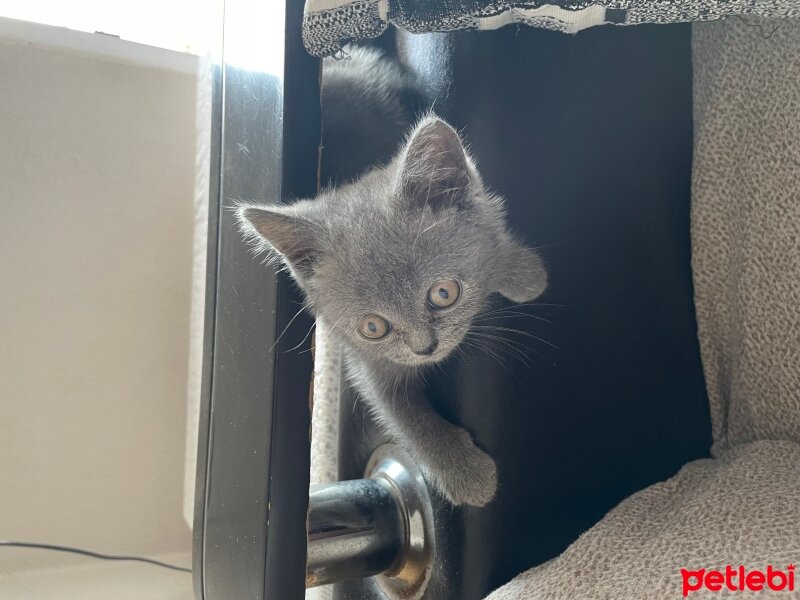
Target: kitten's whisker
332 327
502 343
441 368
545 246
515 348
540 304
408 399
503 315
518 331
482 348
503 309
487 348
285 329
511 347
310 329
395 387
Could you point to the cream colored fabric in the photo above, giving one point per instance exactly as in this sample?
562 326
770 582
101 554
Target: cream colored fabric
325 422
742 506
325 411
740 509
746 226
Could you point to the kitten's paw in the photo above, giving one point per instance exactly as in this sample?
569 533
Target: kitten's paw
467 476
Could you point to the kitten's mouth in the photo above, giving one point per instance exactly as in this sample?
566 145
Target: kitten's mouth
437 355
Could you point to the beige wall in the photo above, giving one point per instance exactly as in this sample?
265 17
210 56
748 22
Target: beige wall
96 193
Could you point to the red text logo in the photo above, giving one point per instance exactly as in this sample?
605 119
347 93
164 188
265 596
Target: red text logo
738 579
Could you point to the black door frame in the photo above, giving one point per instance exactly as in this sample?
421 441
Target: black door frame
250 535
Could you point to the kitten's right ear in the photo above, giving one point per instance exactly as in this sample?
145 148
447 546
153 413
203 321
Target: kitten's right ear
434 167
295 239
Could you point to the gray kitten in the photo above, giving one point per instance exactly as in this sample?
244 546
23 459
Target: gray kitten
398 264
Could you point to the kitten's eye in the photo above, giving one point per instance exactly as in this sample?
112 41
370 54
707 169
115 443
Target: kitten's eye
444 293
373 327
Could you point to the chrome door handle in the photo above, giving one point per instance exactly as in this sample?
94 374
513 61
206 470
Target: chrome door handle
378 526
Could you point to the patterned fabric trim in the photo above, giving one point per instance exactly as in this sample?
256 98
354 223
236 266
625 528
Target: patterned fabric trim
328 25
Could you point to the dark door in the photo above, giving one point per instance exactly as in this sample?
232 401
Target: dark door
589 139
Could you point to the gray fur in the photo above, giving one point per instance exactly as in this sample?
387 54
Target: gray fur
368 104
376 246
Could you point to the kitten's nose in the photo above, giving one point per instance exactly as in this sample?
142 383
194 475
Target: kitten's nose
427 351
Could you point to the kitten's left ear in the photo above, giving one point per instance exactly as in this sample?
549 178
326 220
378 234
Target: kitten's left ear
524 276
434 170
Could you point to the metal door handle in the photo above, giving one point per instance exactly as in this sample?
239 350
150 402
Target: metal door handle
378 526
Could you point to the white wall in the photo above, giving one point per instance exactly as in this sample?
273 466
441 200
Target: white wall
96 194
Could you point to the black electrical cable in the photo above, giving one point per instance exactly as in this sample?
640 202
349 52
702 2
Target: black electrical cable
91 554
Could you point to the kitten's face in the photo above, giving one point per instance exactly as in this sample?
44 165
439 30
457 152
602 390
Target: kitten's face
405 287
400 262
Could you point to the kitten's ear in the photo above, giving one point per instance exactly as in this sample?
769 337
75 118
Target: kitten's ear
524 276
292 236
433 169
